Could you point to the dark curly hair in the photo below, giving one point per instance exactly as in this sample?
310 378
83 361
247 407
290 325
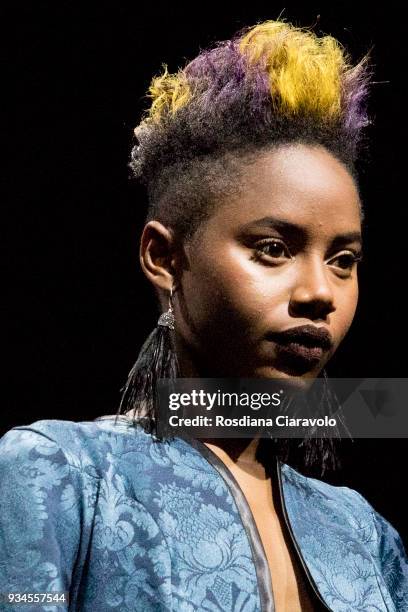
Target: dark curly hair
271 84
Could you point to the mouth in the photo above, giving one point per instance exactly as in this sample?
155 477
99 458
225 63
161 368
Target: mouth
300 349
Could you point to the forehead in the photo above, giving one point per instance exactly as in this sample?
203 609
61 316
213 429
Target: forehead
302 184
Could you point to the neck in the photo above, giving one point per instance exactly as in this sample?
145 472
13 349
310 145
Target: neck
191 363
235 451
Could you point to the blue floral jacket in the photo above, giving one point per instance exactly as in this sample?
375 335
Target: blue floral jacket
124 522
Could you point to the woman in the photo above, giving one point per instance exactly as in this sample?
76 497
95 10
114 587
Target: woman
251 242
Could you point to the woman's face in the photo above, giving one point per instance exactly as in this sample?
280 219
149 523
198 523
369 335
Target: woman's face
279 255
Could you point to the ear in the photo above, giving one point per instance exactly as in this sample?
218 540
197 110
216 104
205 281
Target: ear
158 255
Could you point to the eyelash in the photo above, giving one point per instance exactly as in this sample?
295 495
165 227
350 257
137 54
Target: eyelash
354 257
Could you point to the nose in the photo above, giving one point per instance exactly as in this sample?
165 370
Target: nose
312 294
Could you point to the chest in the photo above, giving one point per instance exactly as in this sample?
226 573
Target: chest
291 591
289 585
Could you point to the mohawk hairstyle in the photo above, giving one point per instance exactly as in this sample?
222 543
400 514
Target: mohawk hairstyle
271 84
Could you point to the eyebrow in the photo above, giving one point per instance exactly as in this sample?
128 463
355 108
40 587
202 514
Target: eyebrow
287 227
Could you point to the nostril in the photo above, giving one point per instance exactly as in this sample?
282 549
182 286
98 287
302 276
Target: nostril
313 309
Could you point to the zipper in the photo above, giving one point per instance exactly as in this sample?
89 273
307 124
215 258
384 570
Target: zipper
292 536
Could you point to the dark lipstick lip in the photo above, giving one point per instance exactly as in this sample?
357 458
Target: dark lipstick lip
308 336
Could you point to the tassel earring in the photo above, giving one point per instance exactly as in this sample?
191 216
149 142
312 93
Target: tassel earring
157 359
326 449
316 454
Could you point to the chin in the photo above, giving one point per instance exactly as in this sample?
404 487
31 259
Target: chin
291 376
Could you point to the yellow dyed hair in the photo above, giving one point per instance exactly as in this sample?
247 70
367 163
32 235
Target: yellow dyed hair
304 71
168 92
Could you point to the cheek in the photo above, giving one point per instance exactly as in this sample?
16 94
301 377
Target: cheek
346 308
227 286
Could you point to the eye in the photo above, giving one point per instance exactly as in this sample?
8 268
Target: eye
272 249
346 260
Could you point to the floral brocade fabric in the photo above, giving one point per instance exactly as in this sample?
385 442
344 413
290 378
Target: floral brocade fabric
123 522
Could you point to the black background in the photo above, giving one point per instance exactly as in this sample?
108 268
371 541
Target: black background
76 306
